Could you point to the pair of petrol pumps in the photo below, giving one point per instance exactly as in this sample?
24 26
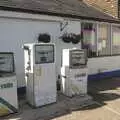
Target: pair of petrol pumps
40 64
40 76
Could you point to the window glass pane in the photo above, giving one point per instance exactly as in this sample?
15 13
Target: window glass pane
44 54
6 62
103 40
77 58
116 40
88 42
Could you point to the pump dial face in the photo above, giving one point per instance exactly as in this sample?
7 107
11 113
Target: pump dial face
44 54
77 58
6 62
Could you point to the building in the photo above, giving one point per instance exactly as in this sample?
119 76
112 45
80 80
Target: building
118 8
21 21
107 6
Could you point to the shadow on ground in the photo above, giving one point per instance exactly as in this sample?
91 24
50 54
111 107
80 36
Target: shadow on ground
103 91
100 90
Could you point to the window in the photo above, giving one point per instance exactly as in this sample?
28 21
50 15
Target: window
88 41
44 54
100 39
103 40
115 40
6 62
77 58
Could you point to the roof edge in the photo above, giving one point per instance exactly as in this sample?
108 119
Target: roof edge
58 14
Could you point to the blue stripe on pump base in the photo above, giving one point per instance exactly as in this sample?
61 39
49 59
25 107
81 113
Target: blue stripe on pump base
98 76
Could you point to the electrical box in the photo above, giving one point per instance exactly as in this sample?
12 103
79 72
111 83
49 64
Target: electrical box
74 72
8 85
40 73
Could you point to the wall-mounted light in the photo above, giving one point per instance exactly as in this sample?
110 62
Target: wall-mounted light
63 25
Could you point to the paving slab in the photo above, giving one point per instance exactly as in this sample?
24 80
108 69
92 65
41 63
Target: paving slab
63 106
100 113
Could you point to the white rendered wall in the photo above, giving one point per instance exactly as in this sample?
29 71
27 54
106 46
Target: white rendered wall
103 64
15 31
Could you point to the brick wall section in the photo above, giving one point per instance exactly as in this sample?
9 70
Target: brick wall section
108 6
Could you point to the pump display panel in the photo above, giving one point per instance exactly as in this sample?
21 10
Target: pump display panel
6 62
78 58
44 54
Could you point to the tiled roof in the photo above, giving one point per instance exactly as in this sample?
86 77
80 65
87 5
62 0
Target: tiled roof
68 8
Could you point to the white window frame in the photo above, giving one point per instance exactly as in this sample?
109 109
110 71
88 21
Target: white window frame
96 33
117 25
110 35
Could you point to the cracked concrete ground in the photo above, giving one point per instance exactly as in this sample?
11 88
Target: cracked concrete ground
106 105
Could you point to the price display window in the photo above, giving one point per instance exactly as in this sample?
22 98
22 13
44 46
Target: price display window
77 58
44 54
6 63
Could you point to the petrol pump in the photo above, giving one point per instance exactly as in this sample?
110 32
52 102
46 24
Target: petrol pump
74 72
8 84
40 73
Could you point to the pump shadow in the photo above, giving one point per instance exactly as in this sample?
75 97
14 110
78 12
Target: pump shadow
102 91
